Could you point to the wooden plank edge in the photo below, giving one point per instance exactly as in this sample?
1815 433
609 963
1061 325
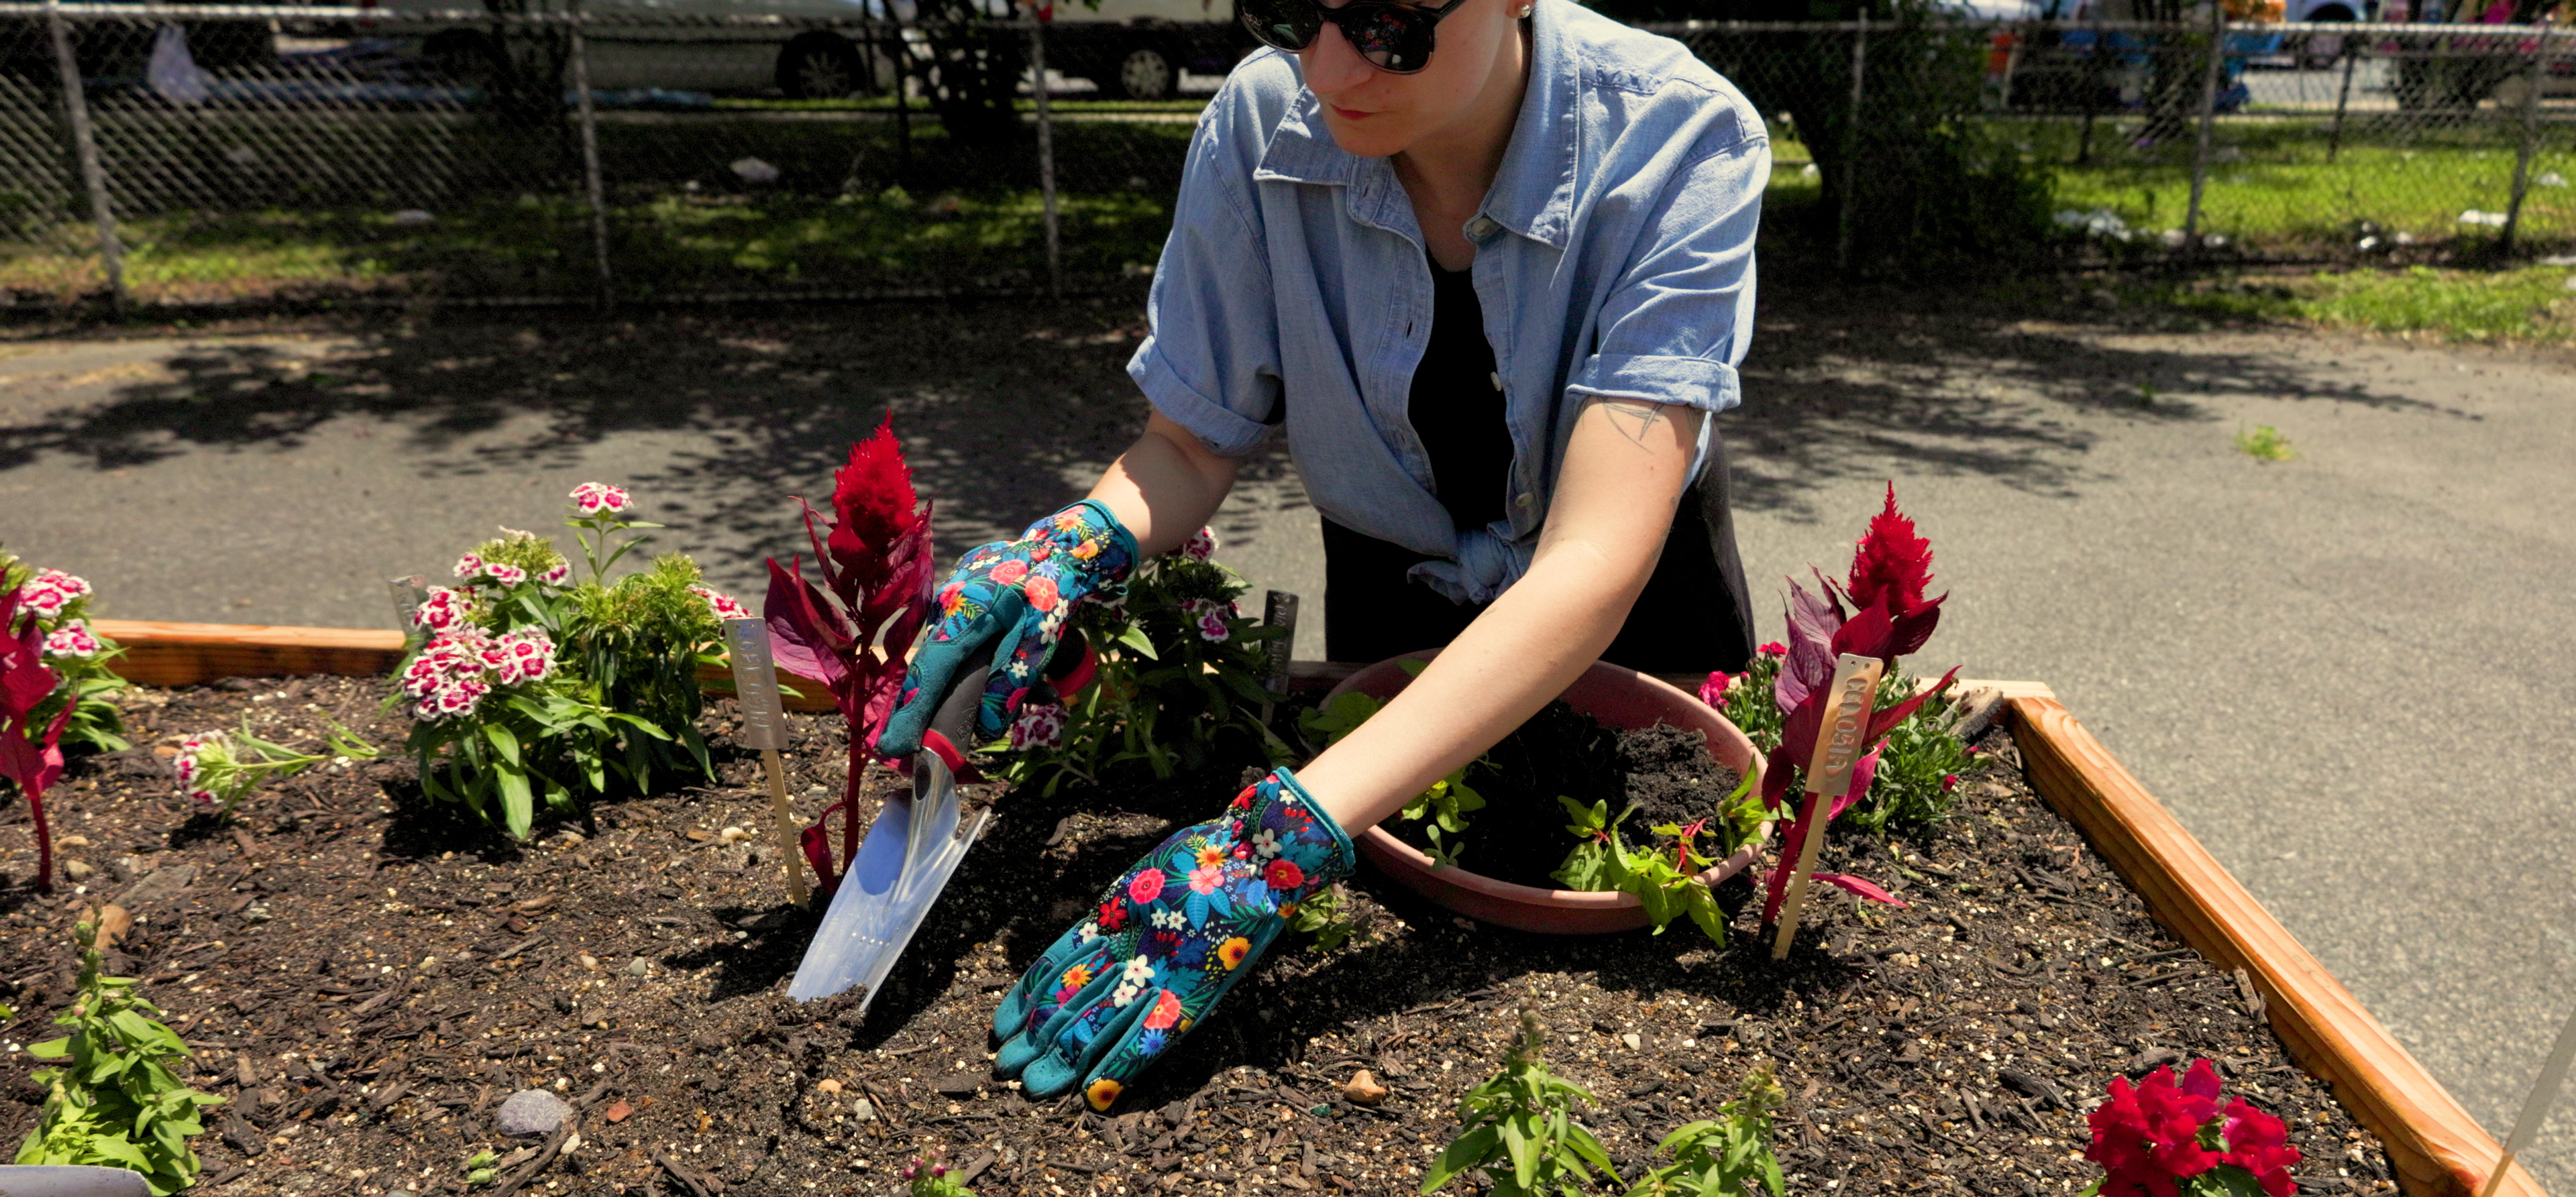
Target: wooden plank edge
2436 1149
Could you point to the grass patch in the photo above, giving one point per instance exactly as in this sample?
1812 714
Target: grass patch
2271 186
2535 304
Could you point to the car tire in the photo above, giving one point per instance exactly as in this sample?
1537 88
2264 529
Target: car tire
467 58
821 66
1144 74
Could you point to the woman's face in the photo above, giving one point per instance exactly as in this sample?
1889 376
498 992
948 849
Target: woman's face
1374 114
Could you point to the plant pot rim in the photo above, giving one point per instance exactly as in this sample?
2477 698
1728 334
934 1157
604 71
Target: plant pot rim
1556 911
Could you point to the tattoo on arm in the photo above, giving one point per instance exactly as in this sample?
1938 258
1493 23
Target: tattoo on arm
1634 420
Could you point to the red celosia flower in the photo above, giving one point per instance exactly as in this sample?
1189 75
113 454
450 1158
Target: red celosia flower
29 756
2258 1143
2150 1137
850 633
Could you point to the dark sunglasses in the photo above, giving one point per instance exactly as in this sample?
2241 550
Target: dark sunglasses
1395 38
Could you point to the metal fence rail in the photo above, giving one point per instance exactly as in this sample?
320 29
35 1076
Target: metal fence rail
198 153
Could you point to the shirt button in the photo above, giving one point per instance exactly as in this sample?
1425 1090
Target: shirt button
1481 227
1497 376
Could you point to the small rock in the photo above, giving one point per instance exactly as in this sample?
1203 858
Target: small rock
77 870
827 1085
398 1193
529 1113
964 1084
72 841
1634 1043
619 1111
160 886
863 1110
2150 1058
1363 1089
638 967
127 868
256 913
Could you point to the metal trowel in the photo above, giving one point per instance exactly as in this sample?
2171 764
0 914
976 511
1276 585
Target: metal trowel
915 844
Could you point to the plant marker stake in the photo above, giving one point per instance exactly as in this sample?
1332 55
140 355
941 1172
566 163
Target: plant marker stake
2535 1109
409 593
1278 610
764 726
1829 776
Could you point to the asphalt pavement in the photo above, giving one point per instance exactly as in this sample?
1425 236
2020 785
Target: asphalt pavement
2346 672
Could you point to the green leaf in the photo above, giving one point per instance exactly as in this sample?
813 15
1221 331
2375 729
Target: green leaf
518 805
1134 637
1466 1151
51 1049
505 741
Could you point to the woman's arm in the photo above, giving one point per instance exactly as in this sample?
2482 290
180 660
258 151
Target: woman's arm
1165 486
1624 473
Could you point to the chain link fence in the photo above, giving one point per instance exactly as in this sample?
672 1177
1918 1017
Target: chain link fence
200 154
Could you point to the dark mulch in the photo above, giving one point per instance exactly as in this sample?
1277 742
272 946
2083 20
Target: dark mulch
365 977
1658 774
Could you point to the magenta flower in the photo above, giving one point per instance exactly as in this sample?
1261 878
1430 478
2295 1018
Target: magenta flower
556 576
72 640
592 498
50 591
468 567
506 575
1040 725
722 604
1200 546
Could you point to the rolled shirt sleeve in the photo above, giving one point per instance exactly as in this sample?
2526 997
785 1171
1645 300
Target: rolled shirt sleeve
1678 320
1211 362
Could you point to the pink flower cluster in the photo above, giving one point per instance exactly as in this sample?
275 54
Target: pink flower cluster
1713 691
191 769
471 568
1200 546
73 639
1211 619
50 591
1040 725
2149 1137
457 668
447 609
722 604
592 498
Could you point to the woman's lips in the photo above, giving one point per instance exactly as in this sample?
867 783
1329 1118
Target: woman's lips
1349 114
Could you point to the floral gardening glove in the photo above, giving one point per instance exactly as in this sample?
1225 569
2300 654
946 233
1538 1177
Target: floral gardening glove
1022 591
1166 942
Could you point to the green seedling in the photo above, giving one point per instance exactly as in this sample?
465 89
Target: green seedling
1666 884
2265 443
1325 917
1519 1127
217 769
116 1102
1724 1156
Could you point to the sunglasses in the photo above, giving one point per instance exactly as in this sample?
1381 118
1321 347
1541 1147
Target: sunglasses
1395 38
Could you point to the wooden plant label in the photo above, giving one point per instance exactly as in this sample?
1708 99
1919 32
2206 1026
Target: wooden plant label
764 727
1279 610
2535 1109
1839 741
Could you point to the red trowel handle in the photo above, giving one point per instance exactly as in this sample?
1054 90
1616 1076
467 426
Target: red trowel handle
952 726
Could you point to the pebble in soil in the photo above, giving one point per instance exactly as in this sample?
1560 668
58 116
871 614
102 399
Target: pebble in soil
412 970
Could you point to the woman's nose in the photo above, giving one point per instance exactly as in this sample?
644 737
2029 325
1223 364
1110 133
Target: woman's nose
1332 64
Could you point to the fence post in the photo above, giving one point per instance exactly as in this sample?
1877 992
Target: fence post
2343 100
111 251
2093 84
2208 120
1046 159
2530 137
1851 147
590 155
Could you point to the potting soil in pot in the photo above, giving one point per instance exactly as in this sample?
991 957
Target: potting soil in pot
1664 773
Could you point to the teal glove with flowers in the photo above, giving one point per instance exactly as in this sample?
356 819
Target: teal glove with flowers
1021 591
1166 942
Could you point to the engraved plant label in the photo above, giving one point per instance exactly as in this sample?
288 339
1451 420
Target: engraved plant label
1838 742
755 684
1279 610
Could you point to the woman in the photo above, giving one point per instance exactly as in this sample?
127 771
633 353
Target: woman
1490 265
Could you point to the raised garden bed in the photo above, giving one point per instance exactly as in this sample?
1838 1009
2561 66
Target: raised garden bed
1944 1047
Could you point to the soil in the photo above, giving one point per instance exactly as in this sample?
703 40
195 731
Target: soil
1658 774
364 977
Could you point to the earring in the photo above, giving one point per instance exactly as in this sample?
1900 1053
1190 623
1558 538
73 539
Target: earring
1524 12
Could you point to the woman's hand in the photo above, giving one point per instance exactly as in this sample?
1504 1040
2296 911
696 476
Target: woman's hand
1625 469
1165 942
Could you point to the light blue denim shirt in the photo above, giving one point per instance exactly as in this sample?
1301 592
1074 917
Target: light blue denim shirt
1614 258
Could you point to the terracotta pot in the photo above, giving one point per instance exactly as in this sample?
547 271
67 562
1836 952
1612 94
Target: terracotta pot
1617 697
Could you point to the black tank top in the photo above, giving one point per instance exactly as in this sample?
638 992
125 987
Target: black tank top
1693 614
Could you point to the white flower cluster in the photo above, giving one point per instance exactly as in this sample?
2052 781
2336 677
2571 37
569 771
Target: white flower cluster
73 639
721 603
49 592
1211 616
593 498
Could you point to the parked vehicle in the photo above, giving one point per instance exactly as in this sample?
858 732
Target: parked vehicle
106 49
1137 49
795 57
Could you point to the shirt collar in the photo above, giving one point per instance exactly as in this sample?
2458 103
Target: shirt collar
1533 192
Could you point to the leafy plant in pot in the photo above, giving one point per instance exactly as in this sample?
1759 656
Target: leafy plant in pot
1617 697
